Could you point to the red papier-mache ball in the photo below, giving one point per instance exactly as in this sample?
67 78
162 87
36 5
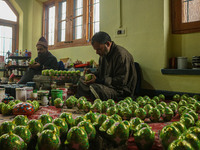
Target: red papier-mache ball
23 109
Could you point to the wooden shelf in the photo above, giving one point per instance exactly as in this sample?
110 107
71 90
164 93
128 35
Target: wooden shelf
18 76
19 57
14 67
82 69
181 71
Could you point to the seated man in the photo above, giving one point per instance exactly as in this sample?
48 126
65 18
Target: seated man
116 75
45 60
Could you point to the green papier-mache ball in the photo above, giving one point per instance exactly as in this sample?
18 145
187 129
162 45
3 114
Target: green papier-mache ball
180 144
144 138
35 126
20 120
23 132
6 127
118 133
11 141
45 118
77 139
48 140
168 134
89 128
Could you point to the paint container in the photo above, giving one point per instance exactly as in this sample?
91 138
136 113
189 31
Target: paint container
181 62
21 94
2 94
43 97
29 92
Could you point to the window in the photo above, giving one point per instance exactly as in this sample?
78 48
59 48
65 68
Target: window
69 23
8 28
185 16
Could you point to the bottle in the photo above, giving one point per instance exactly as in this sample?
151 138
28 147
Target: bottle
14 62
16 72
23 52
16 53
26 53
26 63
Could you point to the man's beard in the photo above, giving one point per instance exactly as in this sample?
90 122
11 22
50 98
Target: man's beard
106 51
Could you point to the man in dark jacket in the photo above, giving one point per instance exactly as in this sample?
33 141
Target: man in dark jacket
45 60
116 75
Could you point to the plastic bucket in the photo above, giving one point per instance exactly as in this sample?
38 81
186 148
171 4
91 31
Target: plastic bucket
56 94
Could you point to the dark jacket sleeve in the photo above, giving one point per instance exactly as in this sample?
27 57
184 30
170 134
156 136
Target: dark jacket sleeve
121 73
51 63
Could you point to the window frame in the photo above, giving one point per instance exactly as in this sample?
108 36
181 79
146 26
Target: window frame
86 37
15 27
177 26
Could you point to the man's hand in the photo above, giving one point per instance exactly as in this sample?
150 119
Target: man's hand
35 65
92 80
86 71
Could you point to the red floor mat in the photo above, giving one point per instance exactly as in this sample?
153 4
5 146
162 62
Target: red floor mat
51 110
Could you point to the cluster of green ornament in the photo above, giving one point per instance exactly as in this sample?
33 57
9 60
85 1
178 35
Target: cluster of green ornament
74 133
178 136
110 128
184 134
15 134
62 75
22 133
7 109
51 72
144 107
186 102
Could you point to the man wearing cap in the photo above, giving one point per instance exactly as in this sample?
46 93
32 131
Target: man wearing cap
45 60
116 75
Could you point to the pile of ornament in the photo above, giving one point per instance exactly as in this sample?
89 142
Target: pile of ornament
155 109
184 134
91 131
